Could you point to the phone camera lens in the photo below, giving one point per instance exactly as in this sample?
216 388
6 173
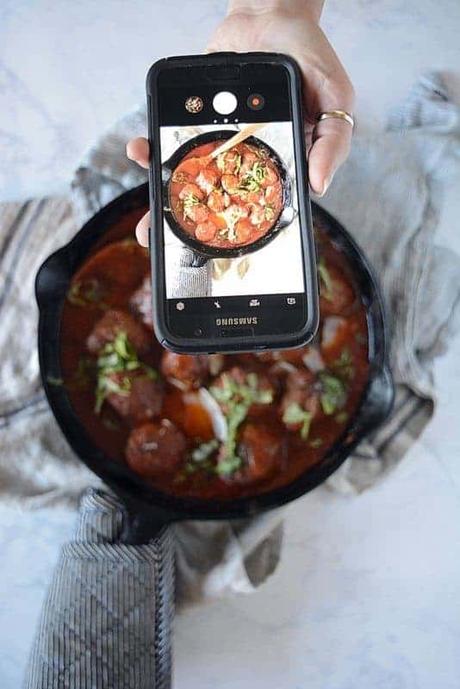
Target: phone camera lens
194 104
198 332
255 101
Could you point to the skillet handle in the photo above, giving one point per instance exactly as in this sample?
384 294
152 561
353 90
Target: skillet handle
52 278
140 526
287 216
378 402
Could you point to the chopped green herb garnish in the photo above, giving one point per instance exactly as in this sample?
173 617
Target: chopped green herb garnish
200 458
325 279
189 201
118 356
106 386
258 172
316 442
110 424
86 293
228 465
54 381
84 375
344 364
294 414
334 394
205 450
269 212
341 417
236 399
180 177
253 179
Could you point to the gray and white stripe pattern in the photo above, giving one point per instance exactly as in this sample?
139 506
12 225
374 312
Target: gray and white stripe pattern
107 618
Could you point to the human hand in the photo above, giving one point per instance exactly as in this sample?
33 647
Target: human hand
291 27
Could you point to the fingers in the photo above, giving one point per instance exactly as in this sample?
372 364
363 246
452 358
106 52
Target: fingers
139 151
330 148
142 230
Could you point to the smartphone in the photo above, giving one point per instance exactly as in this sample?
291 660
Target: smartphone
231 237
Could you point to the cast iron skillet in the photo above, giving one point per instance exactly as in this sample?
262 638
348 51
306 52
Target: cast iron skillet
149 508
286 216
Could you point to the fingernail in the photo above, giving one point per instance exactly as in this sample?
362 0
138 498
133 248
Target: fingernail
326 185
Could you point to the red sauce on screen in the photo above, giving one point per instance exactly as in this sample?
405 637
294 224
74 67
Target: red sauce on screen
230 201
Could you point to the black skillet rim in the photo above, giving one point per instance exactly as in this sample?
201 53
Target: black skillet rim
215 252
51 286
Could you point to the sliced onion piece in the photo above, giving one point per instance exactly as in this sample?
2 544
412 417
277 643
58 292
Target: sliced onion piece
313 360
219 422
216 363
283 366
332 331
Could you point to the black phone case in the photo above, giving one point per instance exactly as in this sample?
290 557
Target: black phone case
238 343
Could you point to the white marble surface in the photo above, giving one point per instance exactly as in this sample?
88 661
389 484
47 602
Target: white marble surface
368 591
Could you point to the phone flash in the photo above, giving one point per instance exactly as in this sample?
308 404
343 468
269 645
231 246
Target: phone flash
194 104
224 102
256 101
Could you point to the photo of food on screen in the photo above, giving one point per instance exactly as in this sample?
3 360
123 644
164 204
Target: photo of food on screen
230 216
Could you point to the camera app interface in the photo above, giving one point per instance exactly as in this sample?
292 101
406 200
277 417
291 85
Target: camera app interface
232 240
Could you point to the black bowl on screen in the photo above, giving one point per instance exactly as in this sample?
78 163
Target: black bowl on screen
157 507
285 218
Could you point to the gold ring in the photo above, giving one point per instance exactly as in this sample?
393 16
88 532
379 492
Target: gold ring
337 114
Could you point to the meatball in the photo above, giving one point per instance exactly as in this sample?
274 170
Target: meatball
114 322
216 201
189 166
230 183
191 190
198 213
249 158
207 179
243 231
304 391
229 161
141 302
140 398
336 294
273 193
206 231
261 451
187 370
270 177
155 449
257 214
256 197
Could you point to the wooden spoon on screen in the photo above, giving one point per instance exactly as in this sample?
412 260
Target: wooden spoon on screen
237 139
203 161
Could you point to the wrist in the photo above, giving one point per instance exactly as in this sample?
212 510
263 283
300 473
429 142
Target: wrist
308 8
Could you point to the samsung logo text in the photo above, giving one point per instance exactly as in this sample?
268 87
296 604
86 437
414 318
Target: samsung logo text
243 320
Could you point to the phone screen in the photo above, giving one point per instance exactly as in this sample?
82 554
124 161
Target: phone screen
232 240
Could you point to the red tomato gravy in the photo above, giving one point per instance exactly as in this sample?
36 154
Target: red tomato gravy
230 201
144 406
